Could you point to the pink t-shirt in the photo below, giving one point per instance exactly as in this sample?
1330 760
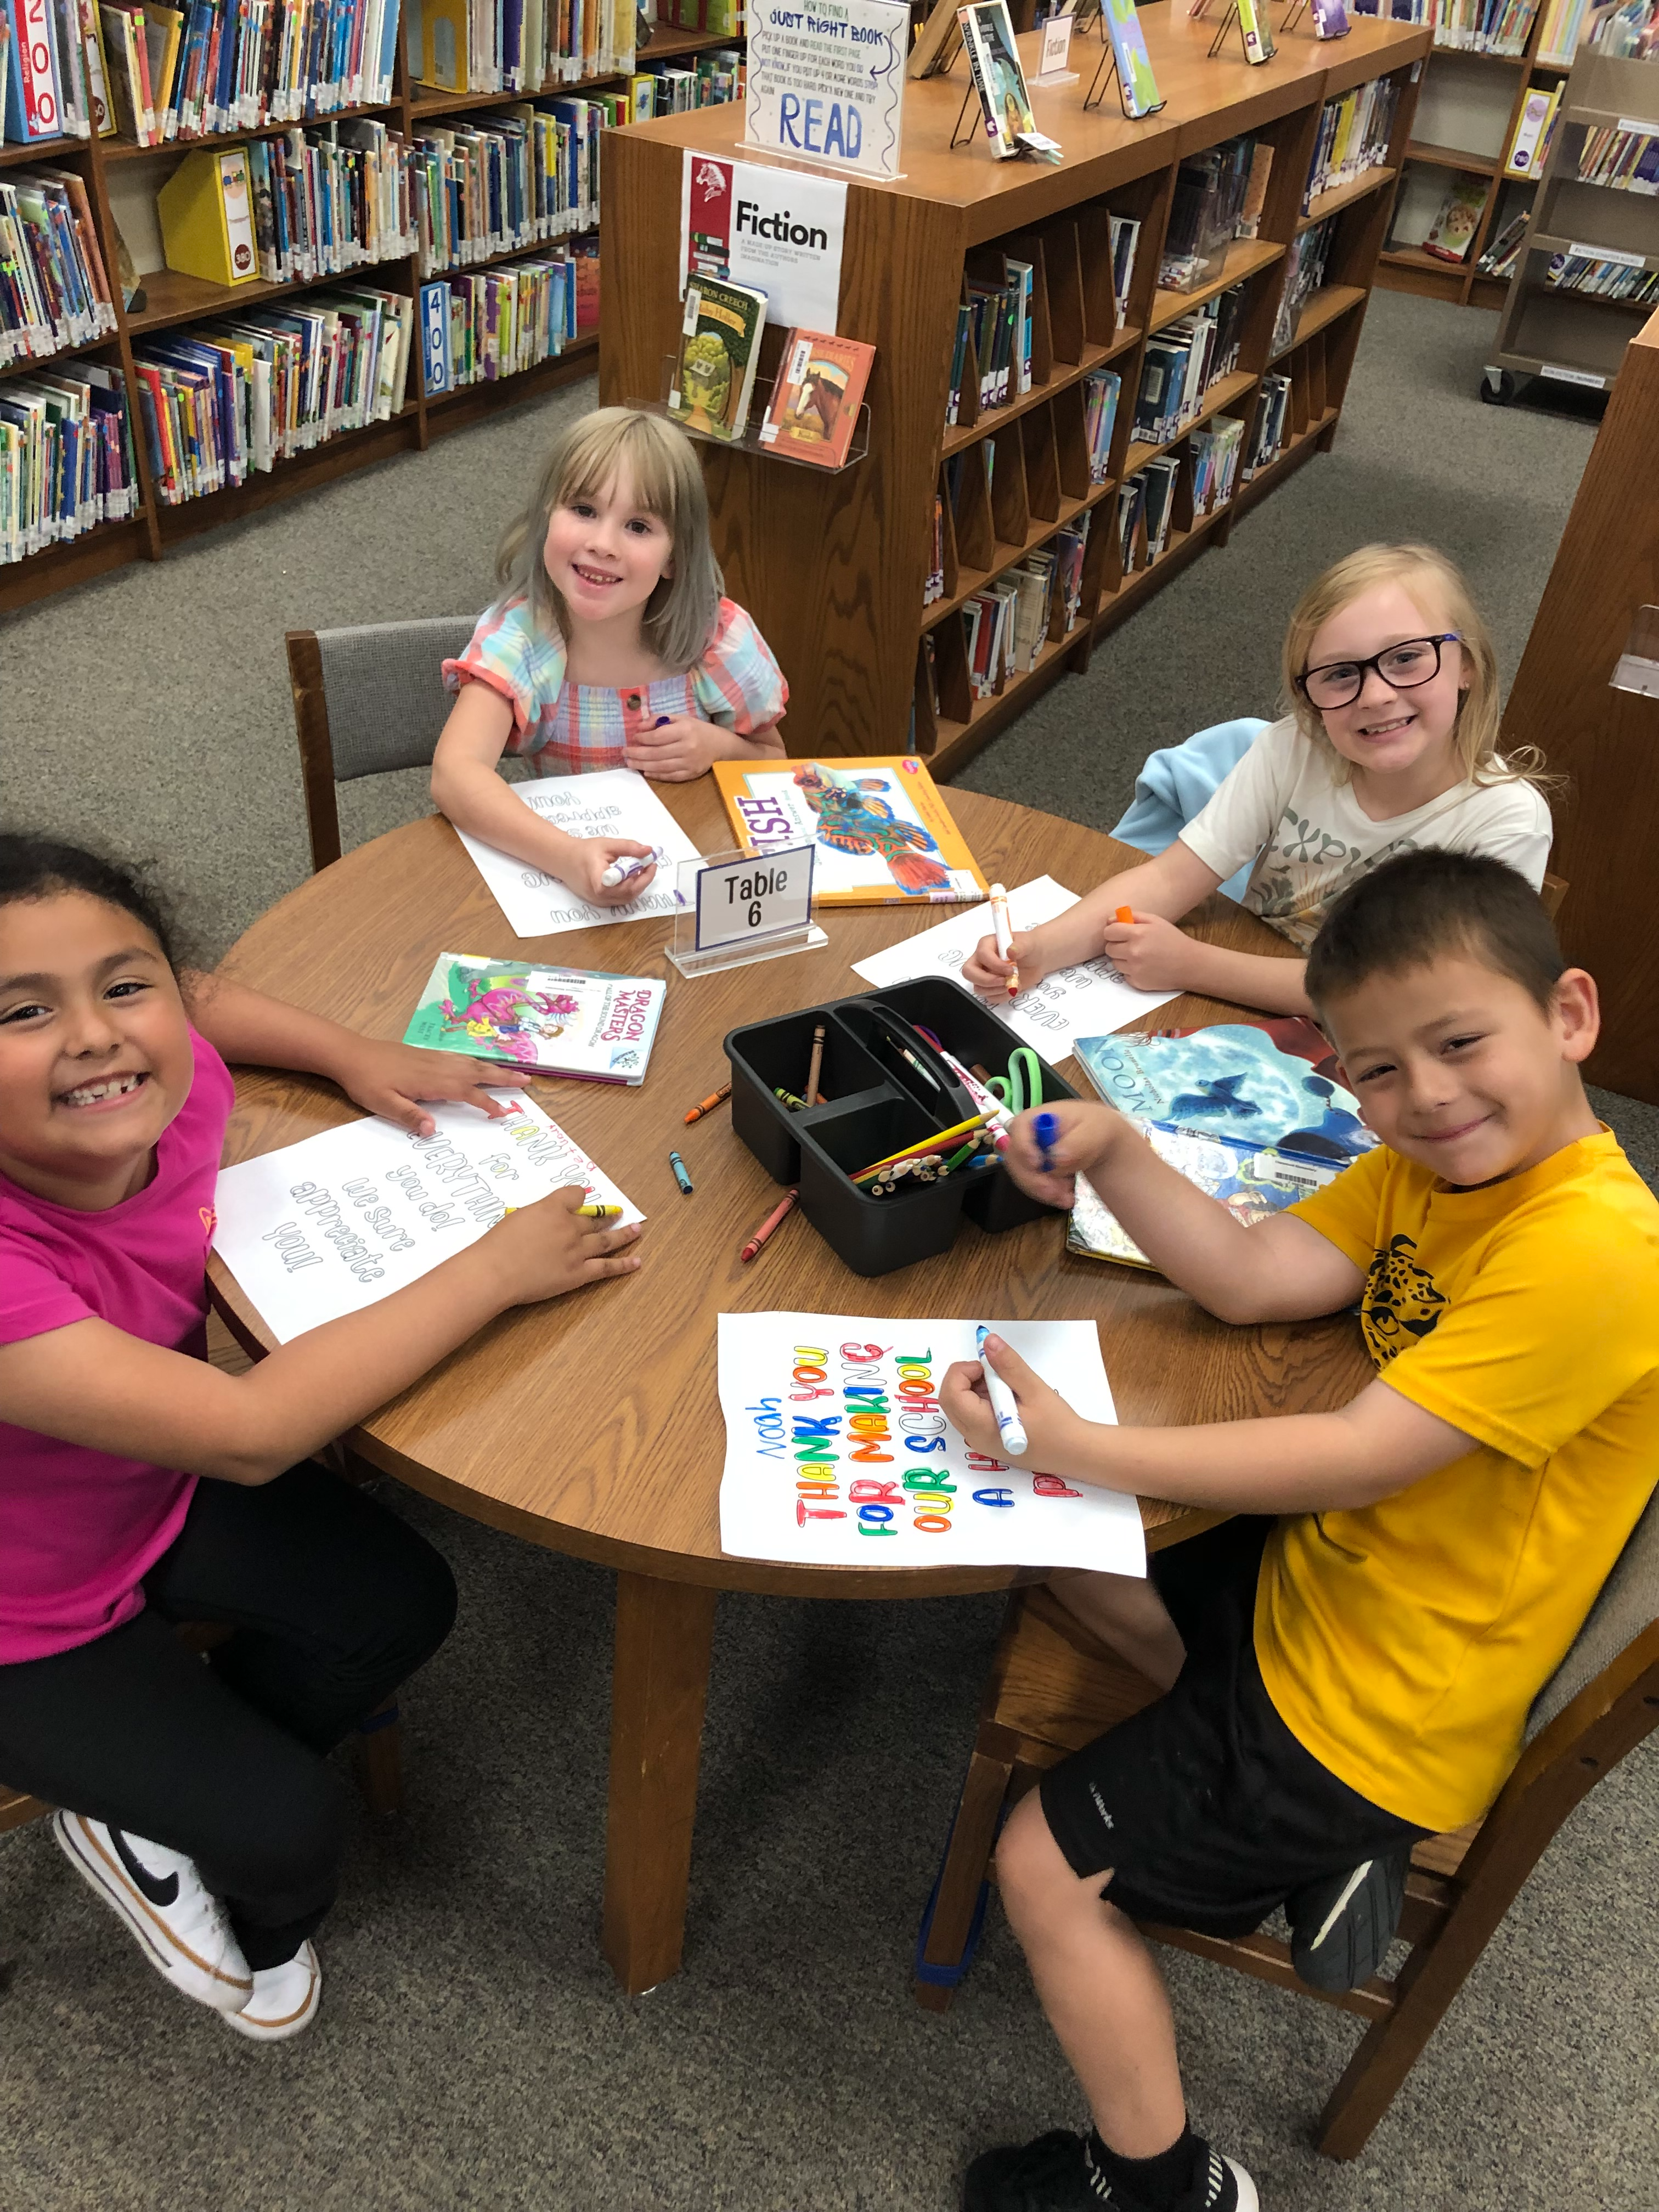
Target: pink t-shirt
79 1529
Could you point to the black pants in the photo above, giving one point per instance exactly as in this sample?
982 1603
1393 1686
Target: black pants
334 1601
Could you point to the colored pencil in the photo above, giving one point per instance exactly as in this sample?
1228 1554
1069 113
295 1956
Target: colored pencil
707 1105
778 1214
818 1062
933 1144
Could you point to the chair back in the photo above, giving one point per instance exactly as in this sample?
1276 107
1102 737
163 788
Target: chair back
1629 1603
367 700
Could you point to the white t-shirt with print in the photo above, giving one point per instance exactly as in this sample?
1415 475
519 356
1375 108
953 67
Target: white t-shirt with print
1283 808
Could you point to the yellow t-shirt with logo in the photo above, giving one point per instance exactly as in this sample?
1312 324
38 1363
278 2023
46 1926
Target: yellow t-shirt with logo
1403 1642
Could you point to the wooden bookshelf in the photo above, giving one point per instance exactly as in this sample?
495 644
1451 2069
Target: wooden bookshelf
834 567
1602 738
173 301
1479 98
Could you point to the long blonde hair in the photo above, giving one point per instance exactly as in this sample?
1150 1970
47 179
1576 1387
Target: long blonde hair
661 466
1440 590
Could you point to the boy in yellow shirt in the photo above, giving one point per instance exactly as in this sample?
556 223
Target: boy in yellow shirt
1355 1671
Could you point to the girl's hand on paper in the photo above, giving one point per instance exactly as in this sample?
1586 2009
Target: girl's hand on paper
593 855
391 1079
678 750
1150 953
1053 1432
986 971
547 1249
1086 1136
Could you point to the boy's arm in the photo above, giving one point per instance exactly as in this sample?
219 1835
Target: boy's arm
1378 1444
1281 1269
466 788
249 1029
93 1384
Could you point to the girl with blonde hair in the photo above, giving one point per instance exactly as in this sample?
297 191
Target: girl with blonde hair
1390 743
611 646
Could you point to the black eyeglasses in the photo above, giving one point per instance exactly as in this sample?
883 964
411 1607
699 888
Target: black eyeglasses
1339 682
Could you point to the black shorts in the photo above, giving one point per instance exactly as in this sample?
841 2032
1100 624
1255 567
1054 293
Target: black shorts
1207 1810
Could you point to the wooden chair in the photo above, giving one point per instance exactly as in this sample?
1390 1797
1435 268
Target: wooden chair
1053 1688
366 701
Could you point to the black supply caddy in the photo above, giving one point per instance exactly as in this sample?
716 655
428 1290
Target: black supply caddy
876 1100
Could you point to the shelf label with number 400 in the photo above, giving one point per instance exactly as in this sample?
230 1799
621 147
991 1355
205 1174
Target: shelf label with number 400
747 900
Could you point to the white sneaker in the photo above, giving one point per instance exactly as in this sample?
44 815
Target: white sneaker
182 1929
285 1999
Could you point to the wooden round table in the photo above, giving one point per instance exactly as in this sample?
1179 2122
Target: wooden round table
591 1424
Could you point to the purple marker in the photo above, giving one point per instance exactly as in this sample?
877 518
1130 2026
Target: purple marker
619 871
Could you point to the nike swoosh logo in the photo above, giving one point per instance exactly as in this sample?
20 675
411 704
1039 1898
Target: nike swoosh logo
160 1889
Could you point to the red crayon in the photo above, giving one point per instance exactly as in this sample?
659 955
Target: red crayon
779 1213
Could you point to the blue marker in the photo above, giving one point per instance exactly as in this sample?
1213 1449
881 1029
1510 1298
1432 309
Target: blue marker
1012 1428
1045 1129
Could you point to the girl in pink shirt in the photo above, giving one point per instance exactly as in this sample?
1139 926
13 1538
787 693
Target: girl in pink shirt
141 1486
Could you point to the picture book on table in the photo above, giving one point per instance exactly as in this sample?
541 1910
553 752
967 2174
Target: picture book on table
883 833
816 400
547 1021
1252 1180
719 346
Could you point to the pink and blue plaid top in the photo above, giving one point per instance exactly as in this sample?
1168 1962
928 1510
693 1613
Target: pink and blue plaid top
571 729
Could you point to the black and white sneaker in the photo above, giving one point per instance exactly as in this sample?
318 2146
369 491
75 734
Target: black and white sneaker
1341 1927
1055 2173
182 1929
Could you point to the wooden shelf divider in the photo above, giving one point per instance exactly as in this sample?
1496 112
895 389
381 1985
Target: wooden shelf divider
833 566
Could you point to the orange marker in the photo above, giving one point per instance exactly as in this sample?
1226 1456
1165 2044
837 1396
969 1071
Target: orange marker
1126 913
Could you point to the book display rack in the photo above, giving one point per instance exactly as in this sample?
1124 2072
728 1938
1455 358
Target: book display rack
1471 106
838 573
1589 271
173 301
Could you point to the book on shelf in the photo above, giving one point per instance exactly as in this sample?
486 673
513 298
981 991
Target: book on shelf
5 65
504 320
1534 127
521 177
719 349
934 587
1305 262
1161 476
1101 388
1264 440
1630 33
1330 19
327 200
1125 234
1070 546
1135 65
1476 27
999 81
1452 232
882 833
54 291
1181 364
1256 31
989 615
66 456
1131 512
1603 278
1216 452
1562 29
572 1022
1623 160
34 103
815 403
517 45
1353 137
1503 252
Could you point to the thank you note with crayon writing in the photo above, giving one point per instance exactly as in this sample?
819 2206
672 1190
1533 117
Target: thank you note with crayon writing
1062 1006
615 802
837 1453
341 1219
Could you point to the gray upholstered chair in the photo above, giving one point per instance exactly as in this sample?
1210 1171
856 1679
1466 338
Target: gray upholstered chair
366 701
1053 1688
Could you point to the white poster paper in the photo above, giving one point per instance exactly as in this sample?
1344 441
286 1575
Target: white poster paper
826 81
340 1220
615 802
781 230
1088 1000
837 1454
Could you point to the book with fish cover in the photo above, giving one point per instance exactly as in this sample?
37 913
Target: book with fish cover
883 836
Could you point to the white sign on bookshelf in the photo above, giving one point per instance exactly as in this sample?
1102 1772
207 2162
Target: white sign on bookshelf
781 230
826 81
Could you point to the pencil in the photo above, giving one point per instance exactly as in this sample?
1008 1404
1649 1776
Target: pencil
818 1062
707 1105
778 1213
933 1144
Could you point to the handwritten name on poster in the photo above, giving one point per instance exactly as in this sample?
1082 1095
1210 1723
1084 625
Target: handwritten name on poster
838 1453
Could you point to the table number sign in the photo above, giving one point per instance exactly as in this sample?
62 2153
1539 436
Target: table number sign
739 906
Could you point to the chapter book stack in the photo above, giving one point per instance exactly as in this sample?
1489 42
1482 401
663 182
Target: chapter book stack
1183 361
719 351
66 456
520 177
1254 1112
1101 388
1264 441
490 323
815 403
1306 259
322 201
465 45
54 292
545 1021
883 834
1474 26
1353 137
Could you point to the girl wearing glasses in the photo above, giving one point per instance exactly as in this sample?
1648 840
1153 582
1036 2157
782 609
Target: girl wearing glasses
1390 744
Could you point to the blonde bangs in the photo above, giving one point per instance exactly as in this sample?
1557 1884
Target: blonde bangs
1439 588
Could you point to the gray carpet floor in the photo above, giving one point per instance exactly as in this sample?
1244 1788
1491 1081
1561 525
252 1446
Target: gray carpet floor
472 2051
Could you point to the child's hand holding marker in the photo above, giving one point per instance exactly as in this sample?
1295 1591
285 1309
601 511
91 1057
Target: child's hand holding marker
990 971
676 748
979 1396
594 858
1049 1150
1004 936
1150 953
